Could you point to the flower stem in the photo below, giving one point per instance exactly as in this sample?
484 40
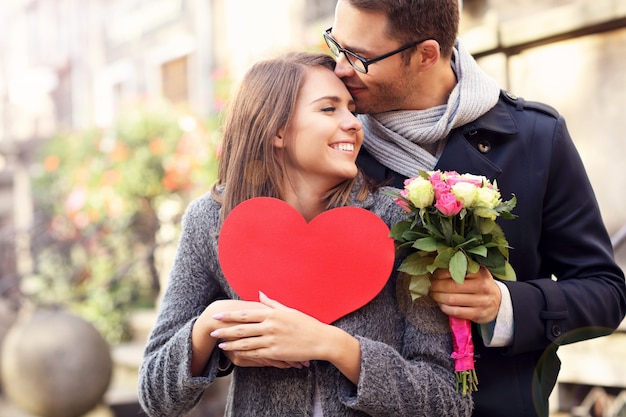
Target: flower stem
466 382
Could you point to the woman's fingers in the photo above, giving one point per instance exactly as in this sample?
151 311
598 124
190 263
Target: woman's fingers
251 315
270 302
245 330
241 316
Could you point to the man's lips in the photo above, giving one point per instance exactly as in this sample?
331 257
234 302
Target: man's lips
354 89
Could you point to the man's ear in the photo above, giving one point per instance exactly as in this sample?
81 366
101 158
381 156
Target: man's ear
430 53
279 139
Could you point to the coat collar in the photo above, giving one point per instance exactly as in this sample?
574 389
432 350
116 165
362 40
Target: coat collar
497 120
461 156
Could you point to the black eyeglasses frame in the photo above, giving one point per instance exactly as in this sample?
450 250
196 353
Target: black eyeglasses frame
333 44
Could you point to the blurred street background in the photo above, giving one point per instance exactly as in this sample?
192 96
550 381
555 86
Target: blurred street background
109 126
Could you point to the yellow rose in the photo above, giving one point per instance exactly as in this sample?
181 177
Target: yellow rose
420 192
465 192
488 198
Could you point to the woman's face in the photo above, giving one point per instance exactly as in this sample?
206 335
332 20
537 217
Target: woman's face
324 137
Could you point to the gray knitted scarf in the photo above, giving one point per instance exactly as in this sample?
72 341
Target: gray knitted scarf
409 140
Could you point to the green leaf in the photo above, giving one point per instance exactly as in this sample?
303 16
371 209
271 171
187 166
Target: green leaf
469 242
506 207
412 235
398 229
508 275
478 250
433 230
428 244
472 266
419 285
403 246
485 225
508 216
458 267
494 259
415 264
424 174
458 240
443 258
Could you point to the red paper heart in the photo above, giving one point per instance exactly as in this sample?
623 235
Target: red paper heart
327 268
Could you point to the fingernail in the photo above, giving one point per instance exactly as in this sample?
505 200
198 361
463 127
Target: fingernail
215 334
306 363
262 294
218 316
221 345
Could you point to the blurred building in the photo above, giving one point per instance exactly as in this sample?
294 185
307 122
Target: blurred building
75 64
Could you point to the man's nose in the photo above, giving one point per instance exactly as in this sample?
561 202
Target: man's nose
343 67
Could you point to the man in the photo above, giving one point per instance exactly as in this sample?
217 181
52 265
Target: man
426 105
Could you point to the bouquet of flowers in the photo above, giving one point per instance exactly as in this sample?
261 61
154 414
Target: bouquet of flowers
452 226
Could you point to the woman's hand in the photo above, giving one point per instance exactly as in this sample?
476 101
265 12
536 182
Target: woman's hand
202 343
279 333
273 332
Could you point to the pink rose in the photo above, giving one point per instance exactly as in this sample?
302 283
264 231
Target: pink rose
448 204
403 203
439 185
453 177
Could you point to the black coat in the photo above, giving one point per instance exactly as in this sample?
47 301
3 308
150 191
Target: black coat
559 233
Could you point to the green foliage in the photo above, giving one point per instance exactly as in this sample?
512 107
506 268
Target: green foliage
104 195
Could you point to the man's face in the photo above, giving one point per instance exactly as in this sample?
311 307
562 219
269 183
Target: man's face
389 83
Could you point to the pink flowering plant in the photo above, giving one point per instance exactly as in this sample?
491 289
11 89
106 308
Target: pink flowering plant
452 225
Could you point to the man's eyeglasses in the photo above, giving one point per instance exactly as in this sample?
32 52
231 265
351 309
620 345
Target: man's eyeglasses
358 62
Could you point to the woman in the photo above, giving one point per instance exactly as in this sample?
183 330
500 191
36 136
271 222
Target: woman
291 134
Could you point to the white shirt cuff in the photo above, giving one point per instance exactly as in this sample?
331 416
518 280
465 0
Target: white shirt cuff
499 333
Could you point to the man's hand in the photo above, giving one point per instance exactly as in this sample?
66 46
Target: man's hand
477 299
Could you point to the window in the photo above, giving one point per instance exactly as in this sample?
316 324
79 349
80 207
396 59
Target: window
174 80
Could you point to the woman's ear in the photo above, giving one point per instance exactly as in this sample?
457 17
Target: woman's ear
279 139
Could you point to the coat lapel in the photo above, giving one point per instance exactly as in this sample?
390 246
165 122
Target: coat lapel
461 156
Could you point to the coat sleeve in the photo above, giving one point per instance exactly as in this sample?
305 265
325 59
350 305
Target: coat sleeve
582 293
166 387
416 382
414 379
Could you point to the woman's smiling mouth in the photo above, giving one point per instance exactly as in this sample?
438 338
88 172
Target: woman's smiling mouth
343 146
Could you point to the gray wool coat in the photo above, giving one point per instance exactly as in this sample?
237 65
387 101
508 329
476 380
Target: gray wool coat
406 369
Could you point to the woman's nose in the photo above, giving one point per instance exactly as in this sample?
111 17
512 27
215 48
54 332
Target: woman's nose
352 123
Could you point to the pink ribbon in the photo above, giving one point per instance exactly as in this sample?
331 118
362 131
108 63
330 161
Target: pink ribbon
463 354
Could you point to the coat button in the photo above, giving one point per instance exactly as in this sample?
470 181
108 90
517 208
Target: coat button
484 146
556 330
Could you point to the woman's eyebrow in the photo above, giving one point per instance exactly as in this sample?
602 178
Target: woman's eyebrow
334 99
